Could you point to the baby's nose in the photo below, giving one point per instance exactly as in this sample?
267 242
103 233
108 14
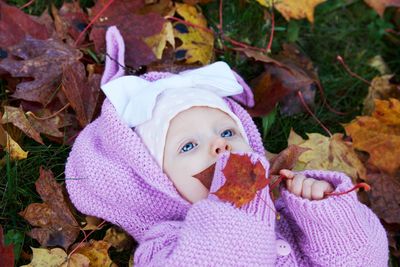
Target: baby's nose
220 145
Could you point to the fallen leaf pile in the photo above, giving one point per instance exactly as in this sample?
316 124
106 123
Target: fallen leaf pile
52 65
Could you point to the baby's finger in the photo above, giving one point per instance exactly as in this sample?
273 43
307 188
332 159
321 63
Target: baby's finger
317 190
307 186
287 173
297 185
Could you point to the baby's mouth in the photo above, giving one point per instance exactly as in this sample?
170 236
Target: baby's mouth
206 176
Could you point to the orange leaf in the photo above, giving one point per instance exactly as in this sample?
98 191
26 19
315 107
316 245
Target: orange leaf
379 135
243 180
381 5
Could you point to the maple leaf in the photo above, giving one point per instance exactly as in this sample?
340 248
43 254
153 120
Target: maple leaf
328 154
57 225
15 25
283 77
43 60
385 198
379 135
380 5
294 9
133 27
158 42
382 88
197 44
6 252
243 180
96 252
82 93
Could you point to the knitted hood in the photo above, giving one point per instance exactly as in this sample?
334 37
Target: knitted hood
110 173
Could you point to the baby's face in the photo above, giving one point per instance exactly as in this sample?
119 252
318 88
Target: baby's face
195 138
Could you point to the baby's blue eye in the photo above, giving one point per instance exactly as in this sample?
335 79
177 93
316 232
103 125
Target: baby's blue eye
187 147
227 133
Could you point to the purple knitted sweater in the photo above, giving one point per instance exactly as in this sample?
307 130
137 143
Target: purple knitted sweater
110 174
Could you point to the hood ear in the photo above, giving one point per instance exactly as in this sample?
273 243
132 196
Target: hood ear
115 58
246 97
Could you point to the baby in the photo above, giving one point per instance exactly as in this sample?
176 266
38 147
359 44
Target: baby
135 166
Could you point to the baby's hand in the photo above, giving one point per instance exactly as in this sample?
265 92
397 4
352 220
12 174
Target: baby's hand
309 188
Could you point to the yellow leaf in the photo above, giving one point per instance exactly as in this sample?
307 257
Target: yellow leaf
294 9
379 135
96 252
12 147
158 42
328 154
43 257
197 44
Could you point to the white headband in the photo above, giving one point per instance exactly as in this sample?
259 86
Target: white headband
134 98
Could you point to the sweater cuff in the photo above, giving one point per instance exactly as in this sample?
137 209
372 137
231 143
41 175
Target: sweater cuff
340 223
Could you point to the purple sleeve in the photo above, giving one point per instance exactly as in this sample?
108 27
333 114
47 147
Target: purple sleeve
338 230
214 233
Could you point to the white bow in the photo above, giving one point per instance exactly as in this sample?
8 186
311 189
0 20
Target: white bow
134 98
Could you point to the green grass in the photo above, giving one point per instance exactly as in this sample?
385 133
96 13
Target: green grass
346 28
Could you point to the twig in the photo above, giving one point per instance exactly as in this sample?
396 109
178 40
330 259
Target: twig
325 101
50 116
366 187
300 95
93 21
27 4
85 238
271 36
355 75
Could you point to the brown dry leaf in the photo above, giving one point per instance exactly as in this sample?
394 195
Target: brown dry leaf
118 239
379 135
286 159
328 154
17 117
384 196
294 9
43 60
92 223
69 21
57 225
47 126
381 88
82 93
15 25
77 260
96 252
197 44
12 147
281 81
381 5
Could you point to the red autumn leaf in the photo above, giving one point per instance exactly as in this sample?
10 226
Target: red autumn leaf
6 252
15 25
43 60
206 176
82 93
243 180
132 25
